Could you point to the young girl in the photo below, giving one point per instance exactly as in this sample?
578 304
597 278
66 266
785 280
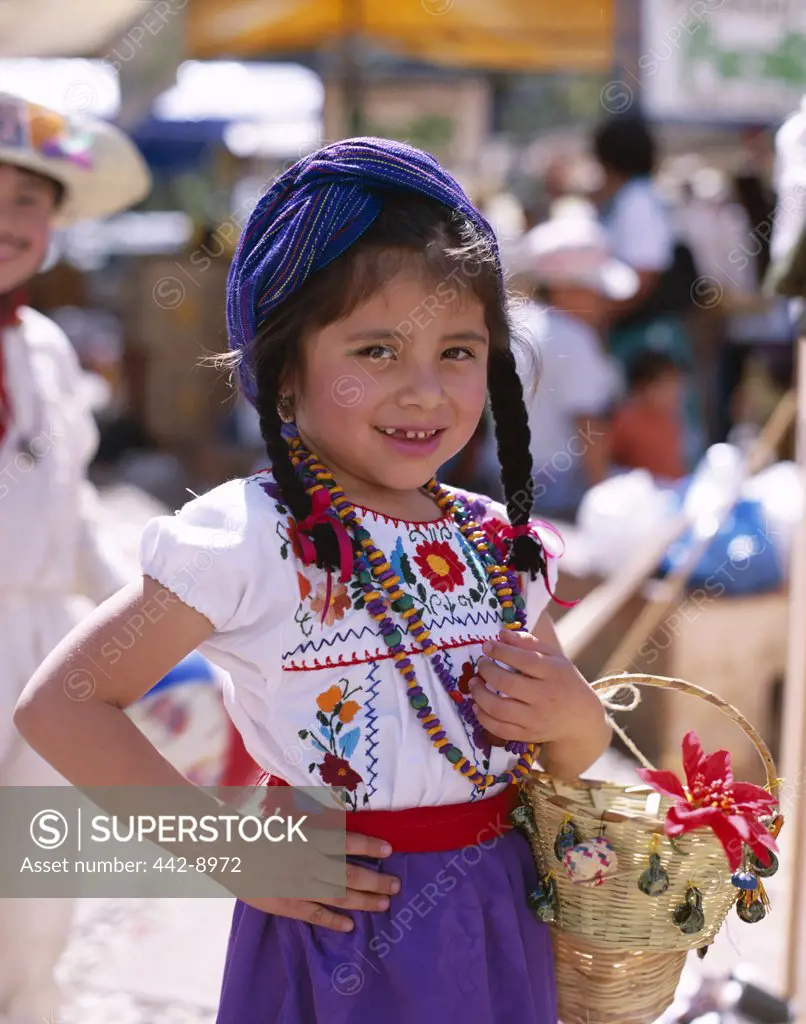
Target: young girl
384 636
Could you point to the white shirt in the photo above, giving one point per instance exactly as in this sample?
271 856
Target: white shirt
309 696
53 546
639 227
575 377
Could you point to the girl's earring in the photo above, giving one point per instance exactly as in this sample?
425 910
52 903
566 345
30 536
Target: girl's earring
285 408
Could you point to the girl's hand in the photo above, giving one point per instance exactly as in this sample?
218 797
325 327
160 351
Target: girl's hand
366 890
544 700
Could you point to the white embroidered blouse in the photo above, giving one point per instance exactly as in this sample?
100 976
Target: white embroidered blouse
311 686
57 556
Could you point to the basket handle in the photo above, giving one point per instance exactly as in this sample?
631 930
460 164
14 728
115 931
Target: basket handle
626 679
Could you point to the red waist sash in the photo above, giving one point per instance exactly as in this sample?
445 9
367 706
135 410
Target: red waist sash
434 829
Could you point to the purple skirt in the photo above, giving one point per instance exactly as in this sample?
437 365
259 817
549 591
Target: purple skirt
459 939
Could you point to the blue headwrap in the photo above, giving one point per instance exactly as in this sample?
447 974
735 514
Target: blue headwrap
315 211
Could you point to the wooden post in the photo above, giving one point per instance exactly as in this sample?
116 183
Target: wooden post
352 78
793 757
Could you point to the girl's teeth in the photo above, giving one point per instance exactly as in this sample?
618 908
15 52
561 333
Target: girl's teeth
410 435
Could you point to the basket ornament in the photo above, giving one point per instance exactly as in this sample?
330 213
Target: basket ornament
631 877
712 799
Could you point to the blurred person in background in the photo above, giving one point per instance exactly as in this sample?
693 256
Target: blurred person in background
570 381
641 233
758 358
54 562
647 430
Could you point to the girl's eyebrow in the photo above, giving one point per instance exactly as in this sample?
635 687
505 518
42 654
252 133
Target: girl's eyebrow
466 336
379 334
384 334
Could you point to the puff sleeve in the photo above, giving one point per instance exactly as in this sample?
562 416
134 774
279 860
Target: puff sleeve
221 554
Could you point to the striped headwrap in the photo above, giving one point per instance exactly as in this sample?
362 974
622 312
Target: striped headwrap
315 211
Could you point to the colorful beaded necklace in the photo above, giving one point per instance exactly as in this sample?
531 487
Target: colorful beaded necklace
375 570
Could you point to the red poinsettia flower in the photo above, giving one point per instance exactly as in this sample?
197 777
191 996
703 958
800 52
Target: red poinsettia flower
440 565
711 799
335 771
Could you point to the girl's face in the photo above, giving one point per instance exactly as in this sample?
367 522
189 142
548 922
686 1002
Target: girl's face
391 392
27 205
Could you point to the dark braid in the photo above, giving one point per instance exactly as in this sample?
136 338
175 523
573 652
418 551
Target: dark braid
291 486
513 437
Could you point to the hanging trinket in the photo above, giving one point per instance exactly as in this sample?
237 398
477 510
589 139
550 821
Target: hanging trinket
754 863
522 817
543 899
654 881
689 917
763 870
745 880
591 863
568 836
752 904
750 909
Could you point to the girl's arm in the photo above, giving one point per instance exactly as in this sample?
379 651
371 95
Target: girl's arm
71 711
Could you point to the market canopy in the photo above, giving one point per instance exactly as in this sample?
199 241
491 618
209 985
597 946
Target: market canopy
52 28
526 35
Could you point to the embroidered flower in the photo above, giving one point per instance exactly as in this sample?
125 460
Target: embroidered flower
339 602
440 565
335 771
348 710
293 536
337 744
328 700
270 488
396 557
467 673
399 561
304 586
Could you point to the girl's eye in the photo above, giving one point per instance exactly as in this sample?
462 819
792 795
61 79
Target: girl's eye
377 352
459 354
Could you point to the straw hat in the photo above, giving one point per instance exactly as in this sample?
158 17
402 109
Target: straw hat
100 168
571 249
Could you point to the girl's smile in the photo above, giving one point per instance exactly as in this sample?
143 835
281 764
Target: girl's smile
413 442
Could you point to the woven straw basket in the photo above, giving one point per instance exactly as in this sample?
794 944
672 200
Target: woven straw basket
618 953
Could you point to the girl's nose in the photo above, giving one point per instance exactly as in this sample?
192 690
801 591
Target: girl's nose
422 389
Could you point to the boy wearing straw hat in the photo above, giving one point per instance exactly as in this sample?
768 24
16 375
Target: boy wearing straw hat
53 565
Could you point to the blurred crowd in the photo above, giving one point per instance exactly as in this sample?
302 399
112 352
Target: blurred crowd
641 323
641 326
